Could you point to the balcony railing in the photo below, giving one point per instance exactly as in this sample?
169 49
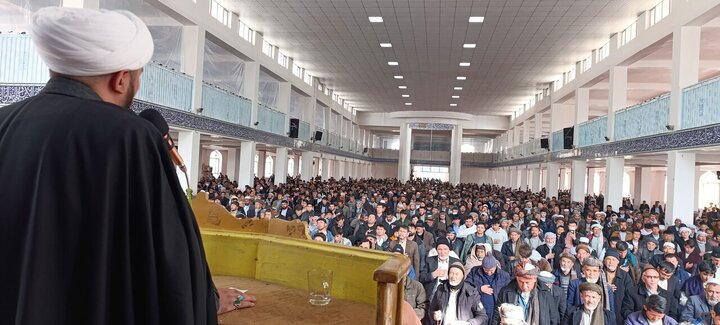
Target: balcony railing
19 61
701 104
558 141
643 119
271 120
592 132
225 106
162 86
304 131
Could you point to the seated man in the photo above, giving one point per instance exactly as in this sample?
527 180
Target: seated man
698 307
652 312
591 310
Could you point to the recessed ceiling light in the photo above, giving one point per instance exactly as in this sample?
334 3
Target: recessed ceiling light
476 19
385 44
402 87
455 96
460 78
458 88
392 63
464 64
398 77
375 19
469 45
405 95
408 104
453 104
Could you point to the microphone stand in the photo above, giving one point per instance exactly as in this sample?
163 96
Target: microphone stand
188 190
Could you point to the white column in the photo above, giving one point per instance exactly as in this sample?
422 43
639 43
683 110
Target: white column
296 165
348 168
563 179
680 184
582 107
456 154
698 175
538 125
192 59
553 169
405 152
281 168
261 164
251 87
325 169
591 181
643 181
526 132
536 187
617 98
307 165
336 169
87 4
247 160
614 173
189 148
283 105
232 164
685 67
523 178
514 179
579 175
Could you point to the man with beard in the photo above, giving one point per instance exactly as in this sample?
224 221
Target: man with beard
592 273
619 280
478 237
550 251
435 268
489 279
698 307
525 292
534 241
423 236
509 248
591 311
410 248
567 272
455 302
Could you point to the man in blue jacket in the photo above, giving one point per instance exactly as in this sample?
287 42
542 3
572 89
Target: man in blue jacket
488 278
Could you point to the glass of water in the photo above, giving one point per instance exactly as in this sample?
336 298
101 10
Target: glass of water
320 285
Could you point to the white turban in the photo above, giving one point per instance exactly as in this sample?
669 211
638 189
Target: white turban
84 42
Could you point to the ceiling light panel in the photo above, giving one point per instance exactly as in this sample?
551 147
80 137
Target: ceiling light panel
375 19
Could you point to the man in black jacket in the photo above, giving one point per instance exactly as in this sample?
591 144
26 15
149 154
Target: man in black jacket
525 292
591 294
635 298
619 280
435 267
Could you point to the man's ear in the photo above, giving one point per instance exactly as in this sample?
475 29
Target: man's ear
120 82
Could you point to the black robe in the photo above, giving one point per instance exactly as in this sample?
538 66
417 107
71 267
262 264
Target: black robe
94 226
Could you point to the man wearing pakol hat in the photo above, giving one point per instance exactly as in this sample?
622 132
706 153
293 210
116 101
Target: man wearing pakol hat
567 272
591 311
592 273
524 291
124 246
457 302
488 278
619 280
436 266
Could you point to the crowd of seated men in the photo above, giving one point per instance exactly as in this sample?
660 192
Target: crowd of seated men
485 254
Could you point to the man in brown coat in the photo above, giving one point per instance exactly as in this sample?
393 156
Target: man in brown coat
409 247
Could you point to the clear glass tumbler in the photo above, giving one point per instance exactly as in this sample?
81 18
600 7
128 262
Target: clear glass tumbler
320 285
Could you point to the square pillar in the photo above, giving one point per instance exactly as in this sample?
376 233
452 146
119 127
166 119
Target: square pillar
192 60
325 169
536 187
281 168
405 152
336 169
614 173
617 97
553 169
582 107
579 175
251 88
261 164
643 181
685 67
563 179
189 148
283 104
232 164
246 175
456 154
591 181
681 187
538 125
524 178
308 162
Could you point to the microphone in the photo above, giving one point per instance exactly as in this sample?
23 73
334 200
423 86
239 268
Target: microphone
154 117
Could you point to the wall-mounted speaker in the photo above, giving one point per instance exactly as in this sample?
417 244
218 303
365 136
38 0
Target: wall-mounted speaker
545 143
294 128
318 135
568 136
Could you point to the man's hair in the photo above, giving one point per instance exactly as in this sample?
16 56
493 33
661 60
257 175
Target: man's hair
671 255
707 267
321 235
380 225
402 227
525 251
666 266
621 246
690 243
656 303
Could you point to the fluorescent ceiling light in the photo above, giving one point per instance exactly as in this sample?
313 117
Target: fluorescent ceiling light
476 19
405 95
453 104
455 96
375 19
461 78
385 44
408 104
398 77
402 87
469 45
458 88
392 63
464 64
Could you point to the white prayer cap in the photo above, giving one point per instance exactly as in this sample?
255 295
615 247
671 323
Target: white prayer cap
85 42
535 256
584 240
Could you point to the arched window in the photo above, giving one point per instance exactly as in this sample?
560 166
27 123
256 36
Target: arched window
291 167
215 162
709 190
255 168
268 166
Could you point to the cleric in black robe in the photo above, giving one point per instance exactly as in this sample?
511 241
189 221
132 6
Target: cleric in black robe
95 228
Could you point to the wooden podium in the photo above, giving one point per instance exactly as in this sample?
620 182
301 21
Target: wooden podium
272 257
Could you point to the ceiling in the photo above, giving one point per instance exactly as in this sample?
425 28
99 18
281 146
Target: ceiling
520 45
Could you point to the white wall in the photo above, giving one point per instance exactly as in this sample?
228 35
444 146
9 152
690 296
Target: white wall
385 170
473 175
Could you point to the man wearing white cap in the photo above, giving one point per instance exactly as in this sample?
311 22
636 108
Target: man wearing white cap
96 229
